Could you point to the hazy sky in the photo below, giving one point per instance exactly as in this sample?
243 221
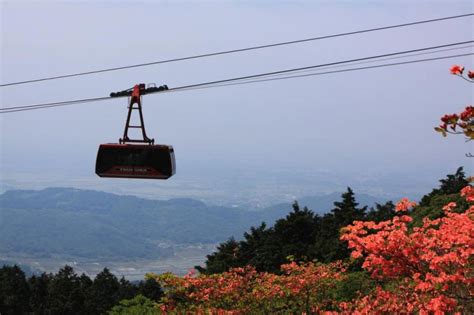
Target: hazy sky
371 121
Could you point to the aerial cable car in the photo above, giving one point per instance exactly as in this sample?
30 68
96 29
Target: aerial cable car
136 158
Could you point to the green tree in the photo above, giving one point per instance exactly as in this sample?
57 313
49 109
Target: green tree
65 293
292 236
258 248
301 235
296 232
268 248
39 293
346 211
222 259
151 289
452 184
327 246
14 291
127 289
431 204
104 292
381 212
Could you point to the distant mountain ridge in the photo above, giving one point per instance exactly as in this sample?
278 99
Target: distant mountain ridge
94 224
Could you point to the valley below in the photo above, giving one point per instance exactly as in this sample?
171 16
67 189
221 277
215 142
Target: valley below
44 230
180 262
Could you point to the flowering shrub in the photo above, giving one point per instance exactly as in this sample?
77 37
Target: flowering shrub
300 288
464 120
426 269
462 123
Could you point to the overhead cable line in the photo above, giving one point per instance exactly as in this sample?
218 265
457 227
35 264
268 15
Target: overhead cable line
57 104
320 65
237 50
41 106
384 59
54 104
330 72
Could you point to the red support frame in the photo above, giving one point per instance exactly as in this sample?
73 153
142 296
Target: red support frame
136 98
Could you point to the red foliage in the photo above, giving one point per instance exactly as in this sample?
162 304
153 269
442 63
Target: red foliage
431 264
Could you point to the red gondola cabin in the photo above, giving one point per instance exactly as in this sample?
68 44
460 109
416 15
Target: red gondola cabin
135 161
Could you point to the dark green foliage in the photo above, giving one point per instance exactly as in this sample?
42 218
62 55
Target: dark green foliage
14 291
434 208
267 248
431 205
292 236
150 289
296 232
381 212
327 246
256 246
224 258
346 211
303 235
39 293
356 283
452 184
67 293
139 305
104 292
127 289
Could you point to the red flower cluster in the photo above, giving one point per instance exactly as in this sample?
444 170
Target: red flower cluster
404 205
300 287
457 70
468 193
431 265
465 121
467 114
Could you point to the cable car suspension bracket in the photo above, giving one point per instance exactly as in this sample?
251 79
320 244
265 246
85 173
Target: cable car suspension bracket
135 95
